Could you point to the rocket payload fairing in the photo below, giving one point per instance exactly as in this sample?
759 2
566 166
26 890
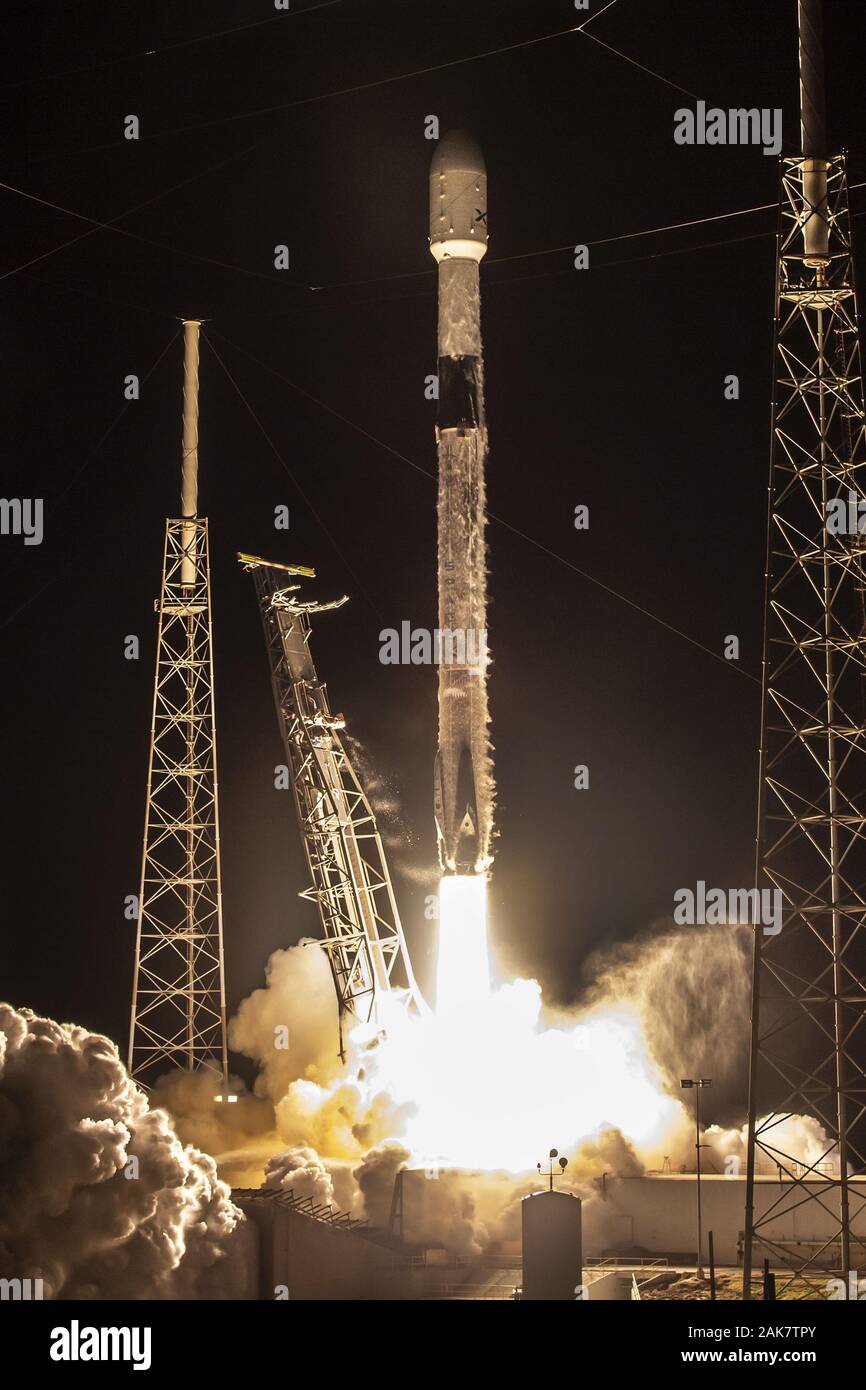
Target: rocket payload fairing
463 779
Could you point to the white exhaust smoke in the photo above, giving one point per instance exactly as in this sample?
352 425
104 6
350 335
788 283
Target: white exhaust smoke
98 1196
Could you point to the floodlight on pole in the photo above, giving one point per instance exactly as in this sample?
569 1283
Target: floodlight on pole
688 1085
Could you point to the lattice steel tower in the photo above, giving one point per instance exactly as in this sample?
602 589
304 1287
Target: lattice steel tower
808 1043
178 997
351 884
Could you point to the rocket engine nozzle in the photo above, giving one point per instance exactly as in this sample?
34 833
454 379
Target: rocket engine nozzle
456 811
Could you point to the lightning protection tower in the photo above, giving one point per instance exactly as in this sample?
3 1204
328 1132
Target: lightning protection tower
351 884
809 983
178 997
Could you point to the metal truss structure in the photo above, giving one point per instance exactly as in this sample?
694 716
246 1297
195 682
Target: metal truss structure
808 1043
351 885
286 1200
178 1001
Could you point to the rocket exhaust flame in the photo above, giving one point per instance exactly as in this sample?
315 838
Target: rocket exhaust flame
463 969
475 1084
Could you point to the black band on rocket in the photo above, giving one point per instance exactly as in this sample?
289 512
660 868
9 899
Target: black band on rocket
459 405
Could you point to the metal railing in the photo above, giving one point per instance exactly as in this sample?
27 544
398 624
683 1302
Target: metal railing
629 1262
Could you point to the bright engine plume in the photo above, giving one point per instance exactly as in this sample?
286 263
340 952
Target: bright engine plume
463 968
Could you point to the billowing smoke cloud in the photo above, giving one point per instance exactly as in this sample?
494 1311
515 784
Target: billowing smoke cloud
375 1179
794 1136
241 1136
337 1110
448 1211
606 1152
475 1213
290 1026
339 1133
300 1171
691 987
479 1212
307 1103
98 1196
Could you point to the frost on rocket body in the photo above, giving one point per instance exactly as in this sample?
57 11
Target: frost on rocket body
464 717
459 309
71 1123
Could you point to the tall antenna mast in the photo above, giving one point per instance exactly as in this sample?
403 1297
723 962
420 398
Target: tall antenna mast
809 995
178 1014
189 465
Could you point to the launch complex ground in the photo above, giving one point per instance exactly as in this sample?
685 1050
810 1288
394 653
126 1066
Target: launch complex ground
638 1242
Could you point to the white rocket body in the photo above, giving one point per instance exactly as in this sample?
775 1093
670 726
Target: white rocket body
463 781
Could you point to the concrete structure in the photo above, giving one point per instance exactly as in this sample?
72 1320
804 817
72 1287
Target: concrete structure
315 1252
309 1252
552 1258
655 1215
610 1286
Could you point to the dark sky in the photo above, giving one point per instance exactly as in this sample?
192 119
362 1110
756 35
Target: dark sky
604 387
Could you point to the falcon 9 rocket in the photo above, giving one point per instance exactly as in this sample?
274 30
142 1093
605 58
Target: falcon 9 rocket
463 779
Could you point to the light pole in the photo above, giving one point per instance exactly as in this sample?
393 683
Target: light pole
688 1085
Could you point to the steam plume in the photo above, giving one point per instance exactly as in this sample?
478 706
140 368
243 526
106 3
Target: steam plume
98 1197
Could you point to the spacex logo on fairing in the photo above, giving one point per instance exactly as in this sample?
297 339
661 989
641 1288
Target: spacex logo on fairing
737 126
702 906
464 648
77 1343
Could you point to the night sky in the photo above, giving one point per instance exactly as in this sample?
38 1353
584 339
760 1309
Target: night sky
604 387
